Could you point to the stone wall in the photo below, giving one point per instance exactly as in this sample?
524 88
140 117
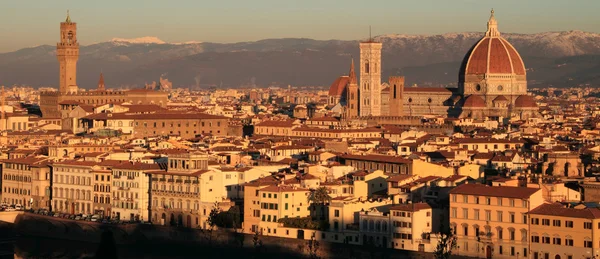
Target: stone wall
186 241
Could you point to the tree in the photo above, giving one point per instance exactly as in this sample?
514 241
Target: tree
212 220
313 247
318 198
446 242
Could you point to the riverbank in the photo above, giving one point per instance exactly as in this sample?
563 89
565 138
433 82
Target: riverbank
47 237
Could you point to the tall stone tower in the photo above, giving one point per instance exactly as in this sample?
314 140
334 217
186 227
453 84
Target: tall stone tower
396 95
67 52
101 83
352 98
370 78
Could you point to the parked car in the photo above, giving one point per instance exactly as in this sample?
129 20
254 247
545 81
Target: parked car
95 218
78 218
10 209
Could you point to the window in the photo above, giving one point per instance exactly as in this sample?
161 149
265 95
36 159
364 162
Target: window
569 223
465 213
524 204
568 242
511 234
587 243
453 212
488 201
546 240
465 199
556 223
499 201
556 241
587 225
476 214
512 217
535 239
535 221
488 215
476 200
453 197
337 213
545 222
500 216
512 202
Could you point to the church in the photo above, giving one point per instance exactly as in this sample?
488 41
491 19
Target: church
58 104
492 84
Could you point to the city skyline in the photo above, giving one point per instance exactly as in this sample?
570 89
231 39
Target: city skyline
239 22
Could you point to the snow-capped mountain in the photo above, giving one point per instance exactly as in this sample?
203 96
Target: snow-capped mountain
423 59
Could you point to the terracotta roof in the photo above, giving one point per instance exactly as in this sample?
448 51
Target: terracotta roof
276 123
495 191
338 86
559 210
283 188
427 89
500 98
378 158
493 55
474 101
411 207
153 116
137 166
525 101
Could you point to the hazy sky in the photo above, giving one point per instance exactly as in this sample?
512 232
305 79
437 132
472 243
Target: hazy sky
29 23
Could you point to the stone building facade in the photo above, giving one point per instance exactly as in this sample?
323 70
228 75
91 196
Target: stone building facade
492 84
67 53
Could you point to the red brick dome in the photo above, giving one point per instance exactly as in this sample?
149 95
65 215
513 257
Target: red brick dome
492 55
525 101
474 101
500 98
338 86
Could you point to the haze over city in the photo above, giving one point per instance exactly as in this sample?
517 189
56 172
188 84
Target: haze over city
31 22
163 130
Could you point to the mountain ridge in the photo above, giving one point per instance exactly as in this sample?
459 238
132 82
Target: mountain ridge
423 59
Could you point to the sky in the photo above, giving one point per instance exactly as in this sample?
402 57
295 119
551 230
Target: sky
30 23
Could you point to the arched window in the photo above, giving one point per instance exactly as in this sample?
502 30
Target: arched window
366 66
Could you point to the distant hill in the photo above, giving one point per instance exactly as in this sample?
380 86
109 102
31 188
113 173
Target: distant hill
553 58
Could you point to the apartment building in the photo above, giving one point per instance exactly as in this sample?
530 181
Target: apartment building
492 221
252 205
412 226
281 201
26 182
73 187
130 182
563 231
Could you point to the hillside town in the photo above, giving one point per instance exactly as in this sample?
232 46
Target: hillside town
507 171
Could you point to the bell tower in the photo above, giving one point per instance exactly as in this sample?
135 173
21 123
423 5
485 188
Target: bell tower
67 52
352 94
396 95
370 78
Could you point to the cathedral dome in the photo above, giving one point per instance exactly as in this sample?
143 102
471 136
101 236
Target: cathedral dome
525 101
474 101
500 98
492 55
338 86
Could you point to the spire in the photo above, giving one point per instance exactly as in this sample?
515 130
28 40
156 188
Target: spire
352 74
101 82
492 26
68 20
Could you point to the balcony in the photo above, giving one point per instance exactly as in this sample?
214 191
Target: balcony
170 180
178 181
187 181
161 179
195 182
